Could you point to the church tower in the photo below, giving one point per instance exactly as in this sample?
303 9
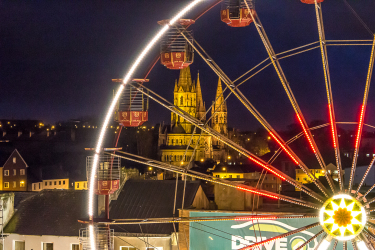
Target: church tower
201 109
219 113
185 97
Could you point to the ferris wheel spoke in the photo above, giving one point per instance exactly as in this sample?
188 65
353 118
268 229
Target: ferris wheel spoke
365 175
275 61
366 241
362 116
197 175
309 240
162 101
327 79
211 63
199 219
262 243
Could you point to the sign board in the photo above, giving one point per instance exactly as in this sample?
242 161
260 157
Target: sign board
234 235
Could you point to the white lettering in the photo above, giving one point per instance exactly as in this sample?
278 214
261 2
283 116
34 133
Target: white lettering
281 244
238 242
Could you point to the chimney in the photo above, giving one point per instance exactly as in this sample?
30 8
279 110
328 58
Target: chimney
19 133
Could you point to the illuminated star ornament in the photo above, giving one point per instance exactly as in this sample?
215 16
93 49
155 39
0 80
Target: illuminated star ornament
343 217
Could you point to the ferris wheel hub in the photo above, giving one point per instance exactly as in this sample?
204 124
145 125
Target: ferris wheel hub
342 217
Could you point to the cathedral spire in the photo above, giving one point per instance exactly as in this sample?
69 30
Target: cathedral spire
220 104
185 79
201 109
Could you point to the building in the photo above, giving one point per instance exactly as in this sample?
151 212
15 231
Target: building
47 220
302 177
14 173
152 199
51 184
174 139
80 185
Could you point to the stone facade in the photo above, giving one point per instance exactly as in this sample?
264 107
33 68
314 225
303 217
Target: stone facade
175 138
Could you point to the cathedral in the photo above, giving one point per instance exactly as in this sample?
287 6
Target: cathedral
174 138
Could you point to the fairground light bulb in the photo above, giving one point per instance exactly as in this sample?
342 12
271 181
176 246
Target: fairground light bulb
113 104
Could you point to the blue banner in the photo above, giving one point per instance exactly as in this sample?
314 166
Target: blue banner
234 235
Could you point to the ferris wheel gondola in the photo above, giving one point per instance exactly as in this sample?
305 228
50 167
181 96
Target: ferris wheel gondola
235 13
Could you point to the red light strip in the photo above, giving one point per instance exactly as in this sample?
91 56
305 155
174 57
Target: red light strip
285 149
268 169
332 126
257 192
306 134
360 125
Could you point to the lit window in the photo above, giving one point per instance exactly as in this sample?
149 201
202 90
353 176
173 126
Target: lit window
6 184
128 248
47 246
22 171
19 245
14 184
22 184
6 172
14 172
367 155
14 159
76 247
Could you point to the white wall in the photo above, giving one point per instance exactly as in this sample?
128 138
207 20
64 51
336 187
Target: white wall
7 200
161 243
35 242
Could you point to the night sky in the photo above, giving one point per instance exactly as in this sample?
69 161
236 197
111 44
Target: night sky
57 58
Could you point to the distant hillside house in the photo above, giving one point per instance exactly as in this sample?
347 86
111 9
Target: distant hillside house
51 184
14 173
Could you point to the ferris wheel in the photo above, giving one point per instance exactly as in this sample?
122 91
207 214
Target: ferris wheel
343 213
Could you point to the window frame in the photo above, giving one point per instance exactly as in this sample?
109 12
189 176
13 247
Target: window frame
46 243
22 171
14 172
6 172
22 184
14 160
14 244
14 184
74 244
6 184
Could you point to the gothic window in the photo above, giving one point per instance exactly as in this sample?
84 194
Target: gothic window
181 141
181 100
225 119
221 119
216 119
